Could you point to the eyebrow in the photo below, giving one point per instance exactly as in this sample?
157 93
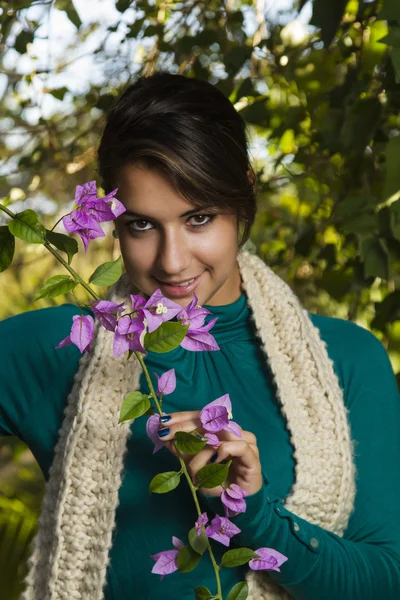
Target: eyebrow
130 213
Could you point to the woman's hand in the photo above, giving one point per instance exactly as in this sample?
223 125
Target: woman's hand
245 469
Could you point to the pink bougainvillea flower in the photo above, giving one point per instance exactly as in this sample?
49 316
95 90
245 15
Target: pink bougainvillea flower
82 333
159 309
167 560
166 383
152 428
201 521
217 415
212 439
270 560
193 314
107 312
129 335
84 225
103 209
214 418
137 302
222 530
87 191
233 500
197 337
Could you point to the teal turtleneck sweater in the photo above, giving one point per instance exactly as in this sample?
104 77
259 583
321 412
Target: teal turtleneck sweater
36 379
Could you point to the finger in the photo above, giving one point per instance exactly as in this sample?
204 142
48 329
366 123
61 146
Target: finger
185 415
167 432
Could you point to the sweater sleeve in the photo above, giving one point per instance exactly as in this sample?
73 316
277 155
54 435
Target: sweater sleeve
365 563
35 377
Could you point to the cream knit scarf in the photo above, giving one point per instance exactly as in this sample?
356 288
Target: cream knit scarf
72 546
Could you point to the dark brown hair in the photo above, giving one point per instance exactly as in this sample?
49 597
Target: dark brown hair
189 132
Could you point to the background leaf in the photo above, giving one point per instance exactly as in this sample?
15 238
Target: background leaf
7 247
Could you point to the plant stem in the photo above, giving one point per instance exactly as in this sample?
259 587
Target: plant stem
151 388
196 501
187 476
58 257
71 270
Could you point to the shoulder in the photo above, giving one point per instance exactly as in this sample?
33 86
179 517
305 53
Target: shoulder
359 358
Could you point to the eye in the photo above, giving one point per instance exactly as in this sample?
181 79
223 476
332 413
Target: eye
139 225
209 217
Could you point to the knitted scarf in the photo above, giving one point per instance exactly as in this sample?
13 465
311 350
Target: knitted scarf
71 549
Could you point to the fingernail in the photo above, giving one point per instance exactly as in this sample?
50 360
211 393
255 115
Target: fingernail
165 418
214 457
163 432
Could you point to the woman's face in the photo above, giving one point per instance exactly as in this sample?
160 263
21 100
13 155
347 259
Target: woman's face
161 244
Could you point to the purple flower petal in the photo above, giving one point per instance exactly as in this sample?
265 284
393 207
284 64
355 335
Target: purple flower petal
137 301
166 562
270 560
65 342
212 439
222 530
177 543
199 342
106 312
85 192
166 383
214 418
222 401
152 427
82 331
236 505
234 428
201 521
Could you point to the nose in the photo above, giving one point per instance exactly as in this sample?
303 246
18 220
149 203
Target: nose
173 259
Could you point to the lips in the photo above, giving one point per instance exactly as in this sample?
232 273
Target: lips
179 291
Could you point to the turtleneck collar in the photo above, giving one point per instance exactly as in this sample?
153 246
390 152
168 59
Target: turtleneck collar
233 320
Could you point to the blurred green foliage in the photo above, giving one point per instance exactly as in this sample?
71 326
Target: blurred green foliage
323 107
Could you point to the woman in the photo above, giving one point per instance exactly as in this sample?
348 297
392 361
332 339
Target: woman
316 397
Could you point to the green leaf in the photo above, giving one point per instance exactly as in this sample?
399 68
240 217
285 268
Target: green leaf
22 40
392 171
239 591
199 543
390 11
392 38
123 5
70 9
328 16
165 338
63 242
202 593
188 443
188 559
363 224
396 59
351 206
238 557
27 226
375 255
165 482
7 248
135 405
107 273
59 93
212 475
395 219
56 286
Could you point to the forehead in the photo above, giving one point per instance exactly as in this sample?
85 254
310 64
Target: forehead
148 192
